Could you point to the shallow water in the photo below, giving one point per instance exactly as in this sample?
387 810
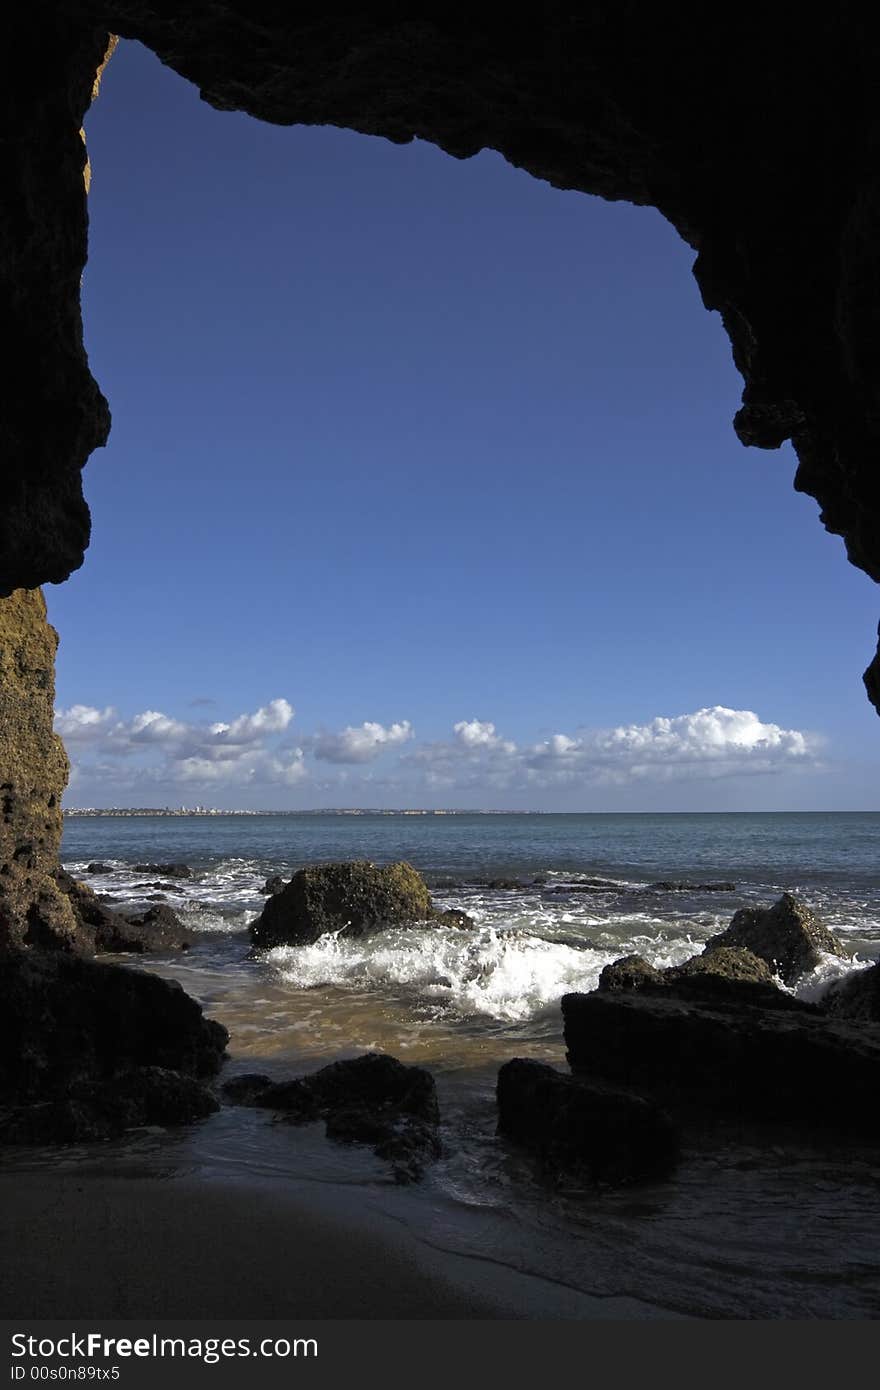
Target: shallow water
750 1227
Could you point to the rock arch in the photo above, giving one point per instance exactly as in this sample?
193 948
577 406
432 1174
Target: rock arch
755 133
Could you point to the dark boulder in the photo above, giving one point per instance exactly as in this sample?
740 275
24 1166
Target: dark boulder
630 972
65 1019
372 1099
788 936
724 972
856 996
103 1110
157 929
246 1089
729 973
96 868
350 899
167 870
583 1130
273 885
729 962
790 1064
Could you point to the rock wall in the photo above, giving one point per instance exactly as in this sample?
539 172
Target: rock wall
34 771
53 412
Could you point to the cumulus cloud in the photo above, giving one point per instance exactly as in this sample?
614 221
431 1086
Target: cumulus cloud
271 719
711 742
478 734
360 744
158 748
83 722
708 743
250 751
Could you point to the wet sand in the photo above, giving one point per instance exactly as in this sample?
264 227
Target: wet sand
93 1245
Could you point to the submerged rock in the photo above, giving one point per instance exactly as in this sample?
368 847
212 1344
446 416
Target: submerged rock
789 1063
79 1033
788 936
584 1130
166 870
684 886
349 899
373 1099
856 996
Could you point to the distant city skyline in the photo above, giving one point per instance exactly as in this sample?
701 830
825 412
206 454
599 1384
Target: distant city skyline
422 489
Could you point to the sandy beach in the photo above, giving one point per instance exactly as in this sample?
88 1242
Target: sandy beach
88 1245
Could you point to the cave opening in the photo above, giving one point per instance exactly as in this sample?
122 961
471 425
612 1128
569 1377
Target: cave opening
450 369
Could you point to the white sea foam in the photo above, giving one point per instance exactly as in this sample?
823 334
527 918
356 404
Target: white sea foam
812 985
509 975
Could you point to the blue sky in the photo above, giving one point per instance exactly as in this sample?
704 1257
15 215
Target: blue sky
403 443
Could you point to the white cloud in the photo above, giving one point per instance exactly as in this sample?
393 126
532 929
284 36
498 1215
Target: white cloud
476 762
270 719
361 744
711 742
152 727
83 722
478 734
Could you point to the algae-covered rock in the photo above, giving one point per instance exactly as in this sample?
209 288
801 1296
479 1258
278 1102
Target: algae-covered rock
33 774
721 972
351 899
788 936
630 972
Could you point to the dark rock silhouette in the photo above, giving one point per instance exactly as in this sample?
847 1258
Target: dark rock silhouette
790 1065
76 1036
583 1130
100 928
373 1099
856 996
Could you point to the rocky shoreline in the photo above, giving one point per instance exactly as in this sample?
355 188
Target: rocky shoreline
90 1050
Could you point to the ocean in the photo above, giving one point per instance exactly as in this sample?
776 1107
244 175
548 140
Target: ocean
725 1239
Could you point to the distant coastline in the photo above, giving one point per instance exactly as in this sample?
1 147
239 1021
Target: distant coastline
320 811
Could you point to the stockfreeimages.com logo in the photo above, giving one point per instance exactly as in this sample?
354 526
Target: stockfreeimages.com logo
93 1346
